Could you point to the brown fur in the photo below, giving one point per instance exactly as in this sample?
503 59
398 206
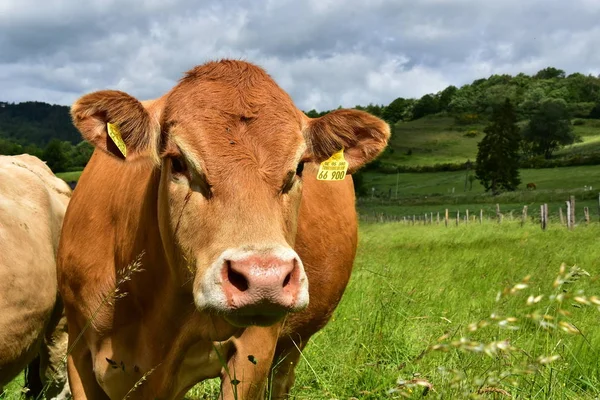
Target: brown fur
241 138
357 131
91 113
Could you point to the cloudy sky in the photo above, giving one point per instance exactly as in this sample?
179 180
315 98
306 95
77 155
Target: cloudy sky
325 53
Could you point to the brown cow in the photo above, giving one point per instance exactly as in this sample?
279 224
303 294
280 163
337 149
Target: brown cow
215 191
32 326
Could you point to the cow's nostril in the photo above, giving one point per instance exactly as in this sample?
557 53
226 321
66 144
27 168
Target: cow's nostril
287 279
238 280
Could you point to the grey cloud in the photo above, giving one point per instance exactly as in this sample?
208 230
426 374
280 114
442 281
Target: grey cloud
324 52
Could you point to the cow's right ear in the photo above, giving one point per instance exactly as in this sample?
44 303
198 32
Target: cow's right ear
137 126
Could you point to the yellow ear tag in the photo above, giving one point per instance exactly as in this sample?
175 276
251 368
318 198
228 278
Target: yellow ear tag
115 135
334 168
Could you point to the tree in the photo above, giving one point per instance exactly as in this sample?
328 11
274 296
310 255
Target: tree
595 112
360 190
395 110
81 154
497 163
426 105
549 128
312 113
549 73
55 156
446 97
374 109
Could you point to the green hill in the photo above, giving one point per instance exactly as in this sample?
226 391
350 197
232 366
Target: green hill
437 139
36 123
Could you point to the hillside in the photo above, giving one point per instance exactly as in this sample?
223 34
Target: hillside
437 140
36 123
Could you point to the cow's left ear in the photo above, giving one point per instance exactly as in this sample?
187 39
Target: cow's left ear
362 135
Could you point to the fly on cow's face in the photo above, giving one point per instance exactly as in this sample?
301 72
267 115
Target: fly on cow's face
288 182
290 178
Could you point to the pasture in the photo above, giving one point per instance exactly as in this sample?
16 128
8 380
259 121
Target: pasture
420 193
415 288
418 287
69 176
442 183
436 139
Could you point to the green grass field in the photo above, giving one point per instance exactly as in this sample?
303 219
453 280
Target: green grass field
420 193
414 285
407 320
442 183
436 139
69 176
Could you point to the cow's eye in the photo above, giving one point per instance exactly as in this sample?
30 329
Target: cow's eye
178 166
300 168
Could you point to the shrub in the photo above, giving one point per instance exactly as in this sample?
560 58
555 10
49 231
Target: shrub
471 133
466 118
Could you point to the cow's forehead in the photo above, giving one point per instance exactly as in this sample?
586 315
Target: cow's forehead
231 86
238 120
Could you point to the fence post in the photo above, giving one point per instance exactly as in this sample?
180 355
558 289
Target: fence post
573 220
446 221
586 214
544 215
568 214
498 213
438 218
481 216
467 217
457 216
414 218
524 217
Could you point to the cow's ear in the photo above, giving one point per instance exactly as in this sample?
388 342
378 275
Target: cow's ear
362 136
134 127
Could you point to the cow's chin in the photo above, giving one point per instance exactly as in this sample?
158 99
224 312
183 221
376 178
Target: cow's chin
246 320
255 315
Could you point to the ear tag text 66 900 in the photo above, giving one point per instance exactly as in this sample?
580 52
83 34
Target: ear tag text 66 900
334 168
115 135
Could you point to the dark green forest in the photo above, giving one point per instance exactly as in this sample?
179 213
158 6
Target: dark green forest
46 130
475 101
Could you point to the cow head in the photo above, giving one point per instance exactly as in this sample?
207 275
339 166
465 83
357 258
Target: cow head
231 148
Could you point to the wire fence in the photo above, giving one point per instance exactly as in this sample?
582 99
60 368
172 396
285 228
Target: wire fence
566 216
